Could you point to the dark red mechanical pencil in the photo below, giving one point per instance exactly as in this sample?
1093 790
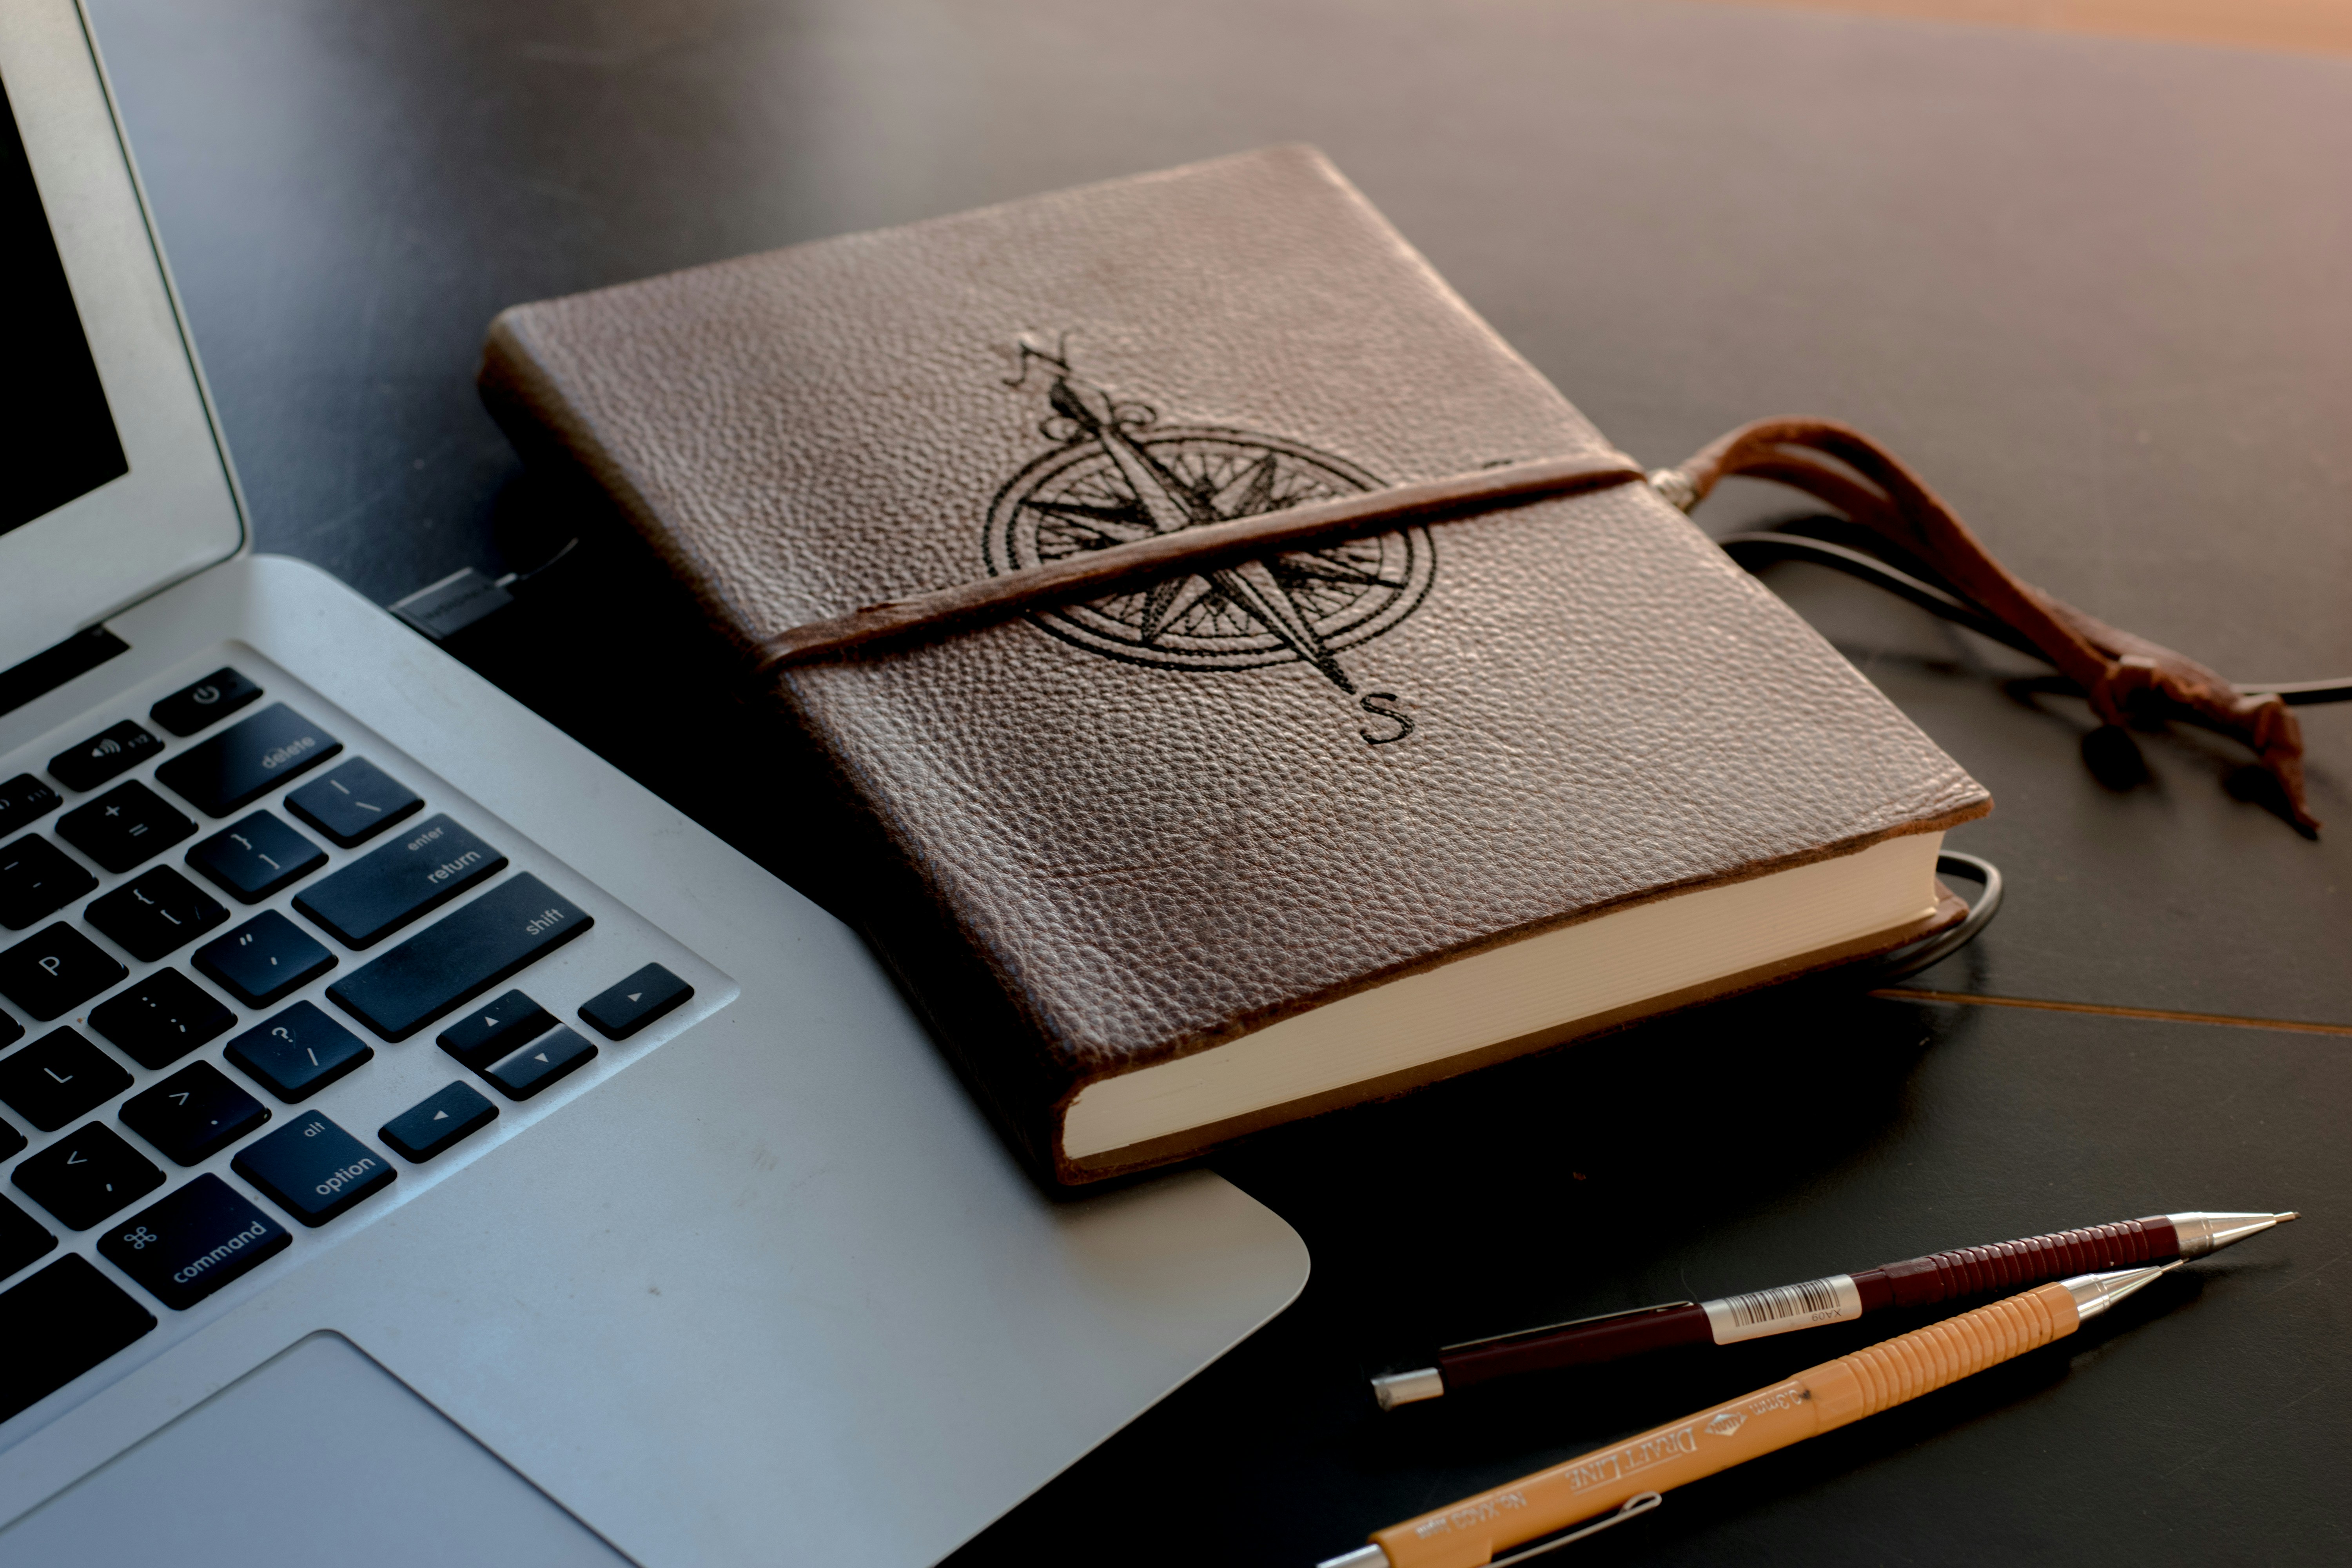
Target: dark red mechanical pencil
1783 1309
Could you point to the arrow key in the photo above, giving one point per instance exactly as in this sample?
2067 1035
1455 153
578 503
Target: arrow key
424 1131
193 1114
550 1057
636 1002
87 1175
494 1029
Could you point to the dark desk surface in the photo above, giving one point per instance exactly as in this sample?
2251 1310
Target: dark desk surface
2093 289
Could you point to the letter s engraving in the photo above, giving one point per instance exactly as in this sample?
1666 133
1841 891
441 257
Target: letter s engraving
1383 705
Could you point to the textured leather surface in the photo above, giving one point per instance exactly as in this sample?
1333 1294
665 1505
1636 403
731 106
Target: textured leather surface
1144 860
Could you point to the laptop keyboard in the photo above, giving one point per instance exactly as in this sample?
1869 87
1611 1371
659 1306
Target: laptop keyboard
218 956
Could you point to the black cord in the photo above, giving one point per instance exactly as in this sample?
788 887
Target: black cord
1934 948
1753 549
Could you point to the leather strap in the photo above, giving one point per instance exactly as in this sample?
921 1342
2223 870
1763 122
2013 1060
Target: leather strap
2127 677
1099 572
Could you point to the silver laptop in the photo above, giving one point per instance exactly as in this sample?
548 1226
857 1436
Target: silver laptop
418 1142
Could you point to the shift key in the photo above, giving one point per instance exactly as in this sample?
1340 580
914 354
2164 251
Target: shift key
458 957
383 889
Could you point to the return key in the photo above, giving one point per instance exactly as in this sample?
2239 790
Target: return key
388 887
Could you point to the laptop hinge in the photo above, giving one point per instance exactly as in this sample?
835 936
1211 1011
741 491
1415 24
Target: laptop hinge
52 668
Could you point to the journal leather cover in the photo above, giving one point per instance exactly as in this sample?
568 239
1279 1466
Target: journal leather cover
1116 833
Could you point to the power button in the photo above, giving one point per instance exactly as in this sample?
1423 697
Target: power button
192 708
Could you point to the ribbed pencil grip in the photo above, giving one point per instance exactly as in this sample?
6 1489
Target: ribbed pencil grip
2013 1265
1925 1359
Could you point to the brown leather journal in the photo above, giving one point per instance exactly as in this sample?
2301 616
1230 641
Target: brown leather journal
1169 860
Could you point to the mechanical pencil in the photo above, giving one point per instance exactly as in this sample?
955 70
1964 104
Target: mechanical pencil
1629 1477
1915 1282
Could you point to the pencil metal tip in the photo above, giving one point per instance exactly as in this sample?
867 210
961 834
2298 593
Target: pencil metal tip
1395 1388
1361 1557
2201 1233
2094 1293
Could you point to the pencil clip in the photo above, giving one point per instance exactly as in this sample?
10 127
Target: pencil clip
1634 1506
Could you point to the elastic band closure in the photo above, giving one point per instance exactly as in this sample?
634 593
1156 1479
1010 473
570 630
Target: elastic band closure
1239 539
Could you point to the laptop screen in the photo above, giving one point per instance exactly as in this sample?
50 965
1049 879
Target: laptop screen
58 425
113 484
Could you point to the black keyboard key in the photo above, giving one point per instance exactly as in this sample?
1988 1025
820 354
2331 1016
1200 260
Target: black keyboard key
57 1077
37 879
297 1053
354 803
425 1129
636 1002
88 1175
214 698
57 1325
24 799
124 827
256 857
246 761
313 1169
494 1029
55 969
554 1053
263 959
155 914
11 1141
383 889
115 750
452 961
22 1238
193 1114
200 1238
162 1018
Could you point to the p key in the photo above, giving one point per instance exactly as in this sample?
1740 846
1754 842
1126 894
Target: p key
55 969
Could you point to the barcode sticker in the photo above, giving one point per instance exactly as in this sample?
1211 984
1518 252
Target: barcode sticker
1783 1308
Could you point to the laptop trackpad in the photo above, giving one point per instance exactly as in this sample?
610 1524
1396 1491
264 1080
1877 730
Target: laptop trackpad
319 1455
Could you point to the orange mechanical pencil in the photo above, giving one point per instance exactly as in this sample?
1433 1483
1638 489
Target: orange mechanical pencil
1628 1477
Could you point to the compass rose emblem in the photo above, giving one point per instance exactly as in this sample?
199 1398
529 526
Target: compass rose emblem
1118 475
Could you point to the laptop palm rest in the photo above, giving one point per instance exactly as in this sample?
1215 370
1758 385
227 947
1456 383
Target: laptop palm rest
317 1456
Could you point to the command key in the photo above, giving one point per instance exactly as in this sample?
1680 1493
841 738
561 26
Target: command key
194 1242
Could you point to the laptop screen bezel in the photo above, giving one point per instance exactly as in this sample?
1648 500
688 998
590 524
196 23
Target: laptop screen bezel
177 510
